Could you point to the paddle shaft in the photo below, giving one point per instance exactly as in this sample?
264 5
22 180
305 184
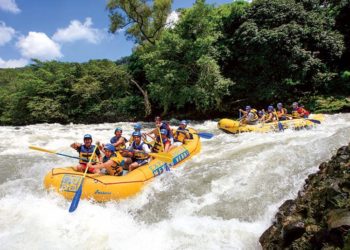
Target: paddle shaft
76 198
53 152
161 139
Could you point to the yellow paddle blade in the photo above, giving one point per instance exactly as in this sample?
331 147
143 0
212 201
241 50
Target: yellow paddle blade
166 157
42 149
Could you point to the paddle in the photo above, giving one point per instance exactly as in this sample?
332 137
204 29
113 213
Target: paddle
160 138
54 152
313 120
280 126
204 135
166 157
76 199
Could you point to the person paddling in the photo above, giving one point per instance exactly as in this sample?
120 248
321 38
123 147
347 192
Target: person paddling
281 112
270 116
162 143
182 133
250 116
159 126
137 154
261 115
118 141
111 162
85 151
299 112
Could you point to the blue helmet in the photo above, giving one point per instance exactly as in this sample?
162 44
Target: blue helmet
279 105
163 131
109 147
87 136
248 108
295 104
118 129
138 126
270 108
260 112
184 122
136 133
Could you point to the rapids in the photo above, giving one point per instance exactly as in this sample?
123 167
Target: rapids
224 198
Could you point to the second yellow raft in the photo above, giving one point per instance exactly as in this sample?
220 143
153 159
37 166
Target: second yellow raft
234 127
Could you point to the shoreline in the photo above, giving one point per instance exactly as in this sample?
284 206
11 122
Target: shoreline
320 215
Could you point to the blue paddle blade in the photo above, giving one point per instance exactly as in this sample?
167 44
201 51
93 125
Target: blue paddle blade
205 135
280 126
314 121
76 199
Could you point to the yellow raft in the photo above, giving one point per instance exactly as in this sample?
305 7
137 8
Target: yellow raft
66 181
233 126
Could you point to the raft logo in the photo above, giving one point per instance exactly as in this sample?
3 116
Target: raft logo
159 168
70 183
101 192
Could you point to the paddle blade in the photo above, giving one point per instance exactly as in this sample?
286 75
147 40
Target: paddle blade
205 135
314 121
42 149
76 199
280 126
166 157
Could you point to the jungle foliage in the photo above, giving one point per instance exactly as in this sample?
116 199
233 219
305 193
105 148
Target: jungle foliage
214 60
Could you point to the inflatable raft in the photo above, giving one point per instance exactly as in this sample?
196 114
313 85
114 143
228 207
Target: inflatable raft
66 181
233 126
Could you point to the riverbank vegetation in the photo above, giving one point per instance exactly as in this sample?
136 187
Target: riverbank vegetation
212 61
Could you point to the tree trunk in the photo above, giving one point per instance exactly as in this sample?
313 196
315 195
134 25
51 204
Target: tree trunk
148 107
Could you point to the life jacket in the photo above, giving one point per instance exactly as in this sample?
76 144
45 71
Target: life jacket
139 154
255 117
181 135
131 140
168 129
273 118
295 114
301 110
85 153
157 147
117 168
115 139
280 113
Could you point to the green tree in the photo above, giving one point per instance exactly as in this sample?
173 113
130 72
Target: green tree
283 51
143 22
183 68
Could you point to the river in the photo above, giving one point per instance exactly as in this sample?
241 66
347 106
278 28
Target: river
223 198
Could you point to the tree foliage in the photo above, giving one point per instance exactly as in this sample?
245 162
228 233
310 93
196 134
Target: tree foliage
182 67
143 22
213 60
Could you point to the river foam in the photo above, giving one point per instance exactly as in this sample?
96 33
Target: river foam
223 198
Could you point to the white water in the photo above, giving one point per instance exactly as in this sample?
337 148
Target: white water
222 199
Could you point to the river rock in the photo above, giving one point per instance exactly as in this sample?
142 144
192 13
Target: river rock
319 218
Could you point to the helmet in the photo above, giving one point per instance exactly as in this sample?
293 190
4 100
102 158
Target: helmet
279 105
260 112
163 131
136 133
109 147
295 104
137 126
118 129
248 108
270 108
87 136
157 118
184 122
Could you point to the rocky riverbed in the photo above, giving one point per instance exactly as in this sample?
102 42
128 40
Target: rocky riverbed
319 218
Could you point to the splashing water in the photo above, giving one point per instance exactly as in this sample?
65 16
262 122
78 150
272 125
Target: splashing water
224 198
